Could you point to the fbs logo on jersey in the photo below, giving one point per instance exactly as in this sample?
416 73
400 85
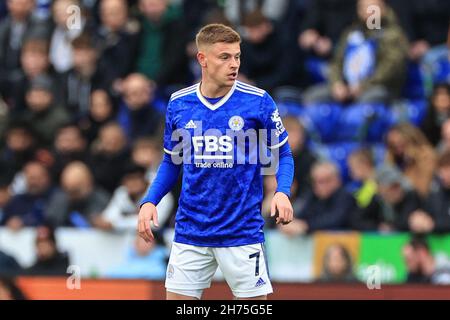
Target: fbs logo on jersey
260 283
236 123
190 125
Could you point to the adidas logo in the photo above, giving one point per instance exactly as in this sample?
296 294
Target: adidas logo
190 125
260 283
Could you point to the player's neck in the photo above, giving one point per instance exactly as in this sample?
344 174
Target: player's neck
210 89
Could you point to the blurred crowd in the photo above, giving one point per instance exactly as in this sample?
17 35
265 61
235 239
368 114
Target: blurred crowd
84 85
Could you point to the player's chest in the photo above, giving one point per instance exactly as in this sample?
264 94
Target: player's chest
199 120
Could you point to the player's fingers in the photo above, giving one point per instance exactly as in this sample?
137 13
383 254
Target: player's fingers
283 215
141 230
291 214
280 215
155 219
273 208
148 230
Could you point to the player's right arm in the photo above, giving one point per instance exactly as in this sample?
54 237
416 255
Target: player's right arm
165 180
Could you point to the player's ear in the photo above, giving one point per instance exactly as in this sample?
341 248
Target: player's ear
201 58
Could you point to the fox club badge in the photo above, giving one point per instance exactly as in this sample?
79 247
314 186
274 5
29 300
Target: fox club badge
236 123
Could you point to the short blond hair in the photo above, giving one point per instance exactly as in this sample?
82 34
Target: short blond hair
216 32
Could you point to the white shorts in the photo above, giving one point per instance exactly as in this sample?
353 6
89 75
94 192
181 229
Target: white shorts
244 268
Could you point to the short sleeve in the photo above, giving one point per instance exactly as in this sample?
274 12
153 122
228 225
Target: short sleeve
275 132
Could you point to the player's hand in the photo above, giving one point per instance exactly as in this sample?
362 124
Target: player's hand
281 205
147 213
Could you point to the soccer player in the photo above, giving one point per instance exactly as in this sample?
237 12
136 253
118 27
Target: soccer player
219 221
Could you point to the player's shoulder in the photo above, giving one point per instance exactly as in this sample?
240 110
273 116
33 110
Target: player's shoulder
183 93
247 89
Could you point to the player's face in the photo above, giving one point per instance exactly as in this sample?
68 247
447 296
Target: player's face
221 62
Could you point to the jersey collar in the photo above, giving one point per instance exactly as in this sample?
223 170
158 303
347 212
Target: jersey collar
218 103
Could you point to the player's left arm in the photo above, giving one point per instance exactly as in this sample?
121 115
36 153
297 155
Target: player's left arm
281 206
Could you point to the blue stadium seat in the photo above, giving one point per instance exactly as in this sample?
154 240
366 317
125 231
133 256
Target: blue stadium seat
337 153
414 87
316 69
442 71
412 111
290 108
362 123
321 121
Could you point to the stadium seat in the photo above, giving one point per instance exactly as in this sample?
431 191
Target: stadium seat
321 121
316 69
408 110
337 153
414 83
362 123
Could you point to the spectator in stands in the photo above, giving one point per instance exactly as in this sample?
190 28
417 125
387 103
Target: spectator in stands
35 62
409 150
146 152
69 145
9 290
268 70
337 265
49 261
444 144
438 112
79 200
421 266
304 158
121 212
20 146
117 38
85 76
368 64
327 207
400 206
426 23
14 29
163 60
8 265
438 201
61 52
137 115
44 116
324 23
109 153
142 261
236 10
28 209
3 10
101 111
5 192
368 216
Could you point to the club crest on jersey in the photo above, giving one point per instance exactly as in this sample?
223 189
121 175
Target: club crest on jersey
236 123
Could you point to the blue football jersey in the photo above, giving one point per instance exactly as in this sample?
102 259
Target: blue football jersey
223 147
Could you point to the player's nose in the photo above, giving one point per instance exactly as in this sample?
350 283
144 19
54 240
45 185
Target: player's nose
234 64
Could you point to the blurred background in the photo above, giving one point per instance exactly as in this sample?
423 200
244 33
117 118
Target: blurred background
83 89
